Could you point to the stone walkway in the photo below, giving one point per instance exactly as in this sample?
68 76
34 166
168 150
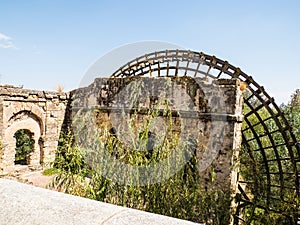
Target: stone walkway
26 204
35 178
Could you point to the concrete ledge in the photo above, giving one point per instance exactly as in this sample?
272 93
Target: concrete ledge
26 204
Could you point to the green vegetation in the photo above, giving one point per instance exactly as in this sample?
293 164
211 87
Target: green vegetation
50 171
89 174
282 203
180 196
70 168
80 171
292 112
24 146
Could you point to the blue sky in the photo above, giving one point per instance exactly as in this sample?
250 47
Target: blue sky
45 43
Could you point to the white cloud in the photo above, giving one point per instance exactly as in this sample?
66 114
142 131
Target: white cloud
6 42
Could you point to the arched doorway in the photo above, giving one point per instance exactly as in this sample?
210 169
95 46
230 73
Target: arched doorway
24 146
23 141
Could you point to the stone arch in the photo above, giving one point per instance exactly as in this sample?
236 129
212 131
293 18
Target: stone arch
36 112
23 120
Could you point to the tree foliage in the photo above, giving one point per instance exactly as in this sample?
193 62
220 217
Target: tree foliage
263 157
24 145
292 112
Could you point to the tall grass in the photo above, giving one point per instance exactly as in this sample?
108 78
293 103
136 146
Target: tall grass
181 195
89 165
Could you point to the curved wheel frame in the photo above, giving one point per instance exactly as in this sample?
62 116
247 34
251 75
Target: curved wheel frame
273 152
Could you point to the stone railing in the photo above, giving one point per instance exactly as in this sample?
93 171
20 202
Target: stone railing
25 204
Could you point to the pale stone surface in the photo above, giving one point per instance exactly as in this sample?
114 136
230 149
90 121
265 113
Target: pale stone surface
25 204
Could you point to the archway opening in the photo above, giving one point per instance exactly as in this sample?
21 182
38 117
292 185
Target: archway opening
24 146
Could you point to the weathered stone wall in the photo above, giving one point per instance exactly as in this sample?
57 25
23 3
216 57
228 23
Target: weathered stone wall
197 107
211 112
40 112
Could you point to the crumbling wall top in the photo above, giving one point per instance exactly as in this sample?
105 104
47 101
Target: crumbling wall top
27 94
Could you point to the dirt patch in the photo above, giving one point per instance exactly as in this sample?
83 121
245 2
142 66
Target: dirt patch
35 178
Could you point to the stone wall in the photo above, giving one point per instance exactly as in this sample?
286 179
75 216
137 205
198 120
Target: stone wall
211 113
40 112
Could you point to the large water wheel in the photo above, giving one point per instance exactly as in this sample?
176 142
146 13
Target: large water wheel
270 154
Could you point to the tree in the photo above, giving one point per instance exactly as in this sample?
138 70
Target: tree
24 146
292 112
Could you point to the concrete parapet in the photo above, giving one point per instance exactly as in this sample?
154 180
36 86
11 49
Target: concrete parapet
25 204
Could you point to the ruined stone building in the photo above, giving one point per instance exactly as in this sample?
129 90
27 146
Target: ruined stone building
192 102
41 113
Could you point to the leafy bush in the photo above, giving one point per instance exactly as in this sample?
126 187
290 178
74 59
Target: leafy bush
70 168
